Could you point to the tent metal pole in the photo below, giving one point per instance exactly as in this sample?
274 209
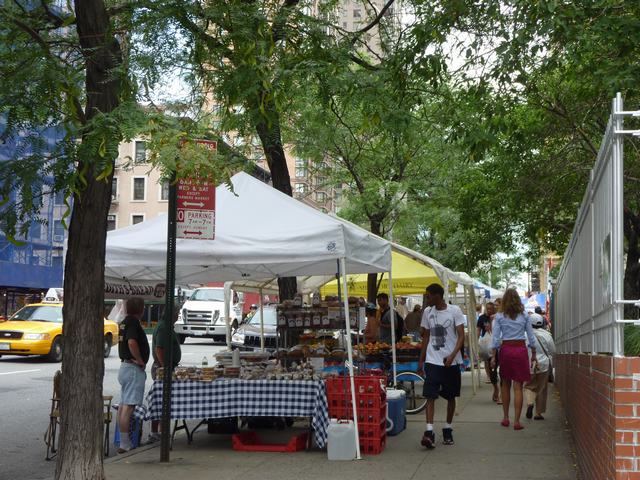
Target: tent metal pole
227 311
261 321
471 329
392 318
343 272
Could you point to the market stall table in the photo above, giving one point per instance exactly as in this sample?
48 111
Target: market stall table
224 398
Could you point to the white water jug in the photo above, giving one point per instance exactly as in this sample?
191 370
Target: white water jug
341 440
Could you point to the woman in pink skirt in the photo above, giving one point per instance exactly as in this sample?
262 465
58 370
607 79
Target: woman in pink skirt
510 329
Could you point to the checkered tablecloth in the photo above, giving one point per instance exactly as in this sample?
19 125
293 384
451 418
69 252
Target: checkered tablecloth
243 398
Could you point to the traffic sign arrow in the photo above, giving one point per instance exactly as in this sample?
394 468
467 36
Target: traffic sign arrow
193 204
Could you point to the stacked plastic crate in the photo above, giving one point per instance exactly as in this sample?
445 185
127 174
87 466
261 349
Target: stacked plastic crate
371 408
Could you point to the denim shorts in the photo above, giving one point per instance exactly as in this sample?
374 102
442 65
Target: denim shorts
132 379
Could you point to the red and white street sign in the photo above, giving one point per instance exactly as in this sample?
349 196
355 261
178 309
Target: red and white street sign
196 206
196 210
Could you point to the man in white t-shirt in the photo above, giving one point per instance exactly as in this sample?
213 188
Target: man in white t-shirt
442 329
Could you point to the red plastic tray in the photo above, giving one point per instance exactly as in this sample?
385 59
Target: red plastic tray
250 442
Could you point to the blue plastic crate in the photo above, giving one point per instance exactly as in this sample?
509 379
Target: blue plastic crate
135 432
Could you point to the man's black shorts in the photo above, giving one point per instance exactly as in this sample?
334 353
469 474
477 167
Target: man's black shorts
441 381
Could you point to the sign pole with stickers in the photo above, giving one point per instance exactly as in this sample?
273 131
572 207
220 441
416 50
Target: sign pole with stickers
165 422
191 216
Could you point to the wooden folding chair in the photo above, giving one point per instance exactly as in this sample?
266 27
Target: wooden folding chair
50 436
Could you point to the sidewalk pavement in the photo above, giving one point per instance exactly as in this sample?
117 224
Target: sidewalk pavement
484 450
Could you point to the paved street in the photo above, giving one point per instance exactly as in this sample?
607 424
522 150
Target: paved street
25 392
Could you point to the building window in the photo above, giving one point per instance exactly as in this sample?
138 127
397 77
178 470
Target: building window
301 168
137 218
300 187
139 189
321 197
58 231
58 198
112 222
164 190
141 152
114 189
357 13
35 231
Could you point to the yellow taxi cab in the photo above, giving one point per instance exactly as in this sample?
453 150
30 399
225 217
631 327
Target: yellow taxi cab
36 329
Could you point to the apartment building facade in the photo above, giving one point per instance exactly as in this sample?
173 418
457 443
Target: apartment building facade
138 191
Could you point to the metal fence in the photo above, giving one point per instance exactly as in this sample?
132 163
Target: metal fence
588 302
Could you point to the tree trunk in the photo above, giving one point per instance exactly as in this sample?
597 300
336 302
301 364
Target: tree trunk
81 432
271 139
372 278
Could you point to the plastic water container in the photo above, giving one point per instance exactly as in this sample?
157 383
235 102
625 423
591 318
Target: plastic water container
396 411
341 440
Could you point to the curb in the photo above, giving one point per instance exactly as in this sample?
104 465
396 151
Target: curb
123 456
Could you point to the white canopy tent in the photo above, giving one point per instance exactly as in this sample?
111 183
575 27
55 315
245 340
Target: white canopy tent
261 234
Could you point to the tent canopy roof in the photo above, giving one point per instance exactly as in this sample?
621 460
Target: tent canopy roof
261 234
409 277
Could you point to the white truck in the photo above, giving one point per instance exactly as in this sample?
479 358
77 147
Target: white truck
202 315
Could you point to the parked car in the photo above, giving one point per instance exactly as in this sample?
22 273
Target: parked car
247 336
37 329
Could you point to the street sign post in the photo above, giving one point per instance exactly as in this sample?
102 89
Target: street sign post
192 207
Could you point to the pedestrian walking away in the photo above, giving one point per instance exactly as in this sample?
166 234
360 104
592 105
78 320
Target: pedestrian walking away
510 328
440 359
536 390
483 329
133 349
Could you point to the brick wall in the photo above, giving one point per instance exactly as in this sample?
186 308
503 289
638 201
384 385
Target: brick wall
602 404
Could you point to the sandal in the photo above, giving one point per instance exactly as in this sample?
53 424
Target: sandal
538 417
496 398
505 422
517 426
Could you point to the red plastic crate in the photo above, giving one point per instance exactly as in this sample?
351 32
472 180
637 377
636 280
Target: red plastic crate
250 442
372 446
372 430
365 415
365 384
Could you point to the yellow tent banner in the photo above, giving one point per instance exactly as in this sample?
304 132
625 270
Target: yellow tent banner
409 277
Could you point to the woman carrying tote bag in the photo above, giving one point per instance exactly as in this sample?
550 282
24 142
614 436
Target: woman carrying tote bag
510 328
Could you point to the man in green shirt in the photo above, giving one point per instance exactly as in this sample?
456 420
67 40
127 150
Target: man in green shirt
158 346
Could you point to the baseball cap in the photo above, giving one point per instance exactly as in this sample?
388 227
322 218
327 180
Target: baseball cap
537 320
